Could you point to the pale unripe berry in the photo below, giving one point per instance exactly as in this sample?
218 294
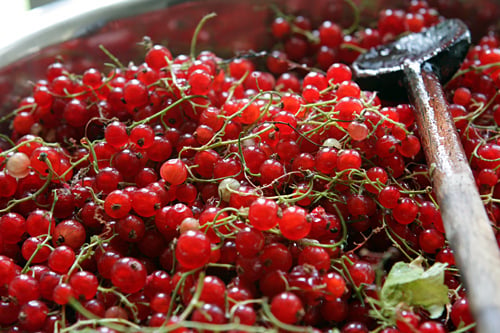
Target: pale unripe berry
189 223
36 129
248 143
18 165
50 136
331 142
357 131
227 186
174 171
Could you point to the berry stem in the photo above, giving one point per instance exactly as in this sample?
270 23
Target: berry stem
356 12
123 300
163 111
87 144
85 253
6 153
194 39
48 237
14 202
472 68
175 292
194 301
119 324
11 114
111 56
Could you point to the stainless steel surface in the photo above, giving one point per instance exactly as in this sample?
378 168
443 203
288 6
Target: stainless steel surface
65 20
38 3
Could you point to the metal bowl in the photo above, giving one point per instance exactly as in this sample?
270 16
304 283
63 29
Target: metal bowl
73 30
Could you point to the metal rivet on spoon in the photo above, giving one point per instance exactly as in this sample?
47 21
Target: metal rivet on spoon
418 64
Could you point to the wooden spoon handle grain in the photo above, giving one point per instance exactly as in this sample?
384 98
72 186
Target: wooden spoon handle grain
467 226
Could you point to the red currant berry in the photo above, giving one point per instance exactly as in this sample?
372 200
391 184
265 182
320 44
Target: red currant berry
263 214
158 57
13 226
8 270
405 211
431 327
315 256
116 134
330 34
249 242
69 232
9 311
389 196
460 313
362 272
142 136
287 308
62 294
135 94
76 113
280 27
40 222
129 275
131 228
335 285
84 285
61 259
431 240
117 204
407 321
145 202
24 288
32 315
295 223
174 171
338 73
193 249
348 159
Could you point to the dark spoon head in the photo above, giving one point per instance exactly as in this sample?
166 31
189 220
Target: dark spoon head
443 47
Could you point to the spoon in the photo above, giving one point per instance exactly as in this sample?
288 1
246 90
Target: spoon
418 63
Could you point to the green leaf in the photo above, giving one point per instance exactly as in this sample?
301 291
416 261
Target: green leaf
412 285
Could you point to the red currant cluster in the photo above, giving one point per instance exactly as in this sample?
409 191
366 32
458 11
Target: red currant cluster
330 43
196 194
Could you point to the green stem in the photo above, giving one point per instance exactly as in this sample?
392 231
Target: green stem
355 24
111 56
14 202
159 113
87 144
200 25
118 324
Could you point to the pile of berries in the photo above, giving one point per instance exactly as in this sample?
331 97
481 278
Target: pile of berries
198 194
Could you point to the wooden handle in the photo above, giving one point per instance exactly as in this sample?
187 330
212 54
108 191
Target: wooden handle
467 226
